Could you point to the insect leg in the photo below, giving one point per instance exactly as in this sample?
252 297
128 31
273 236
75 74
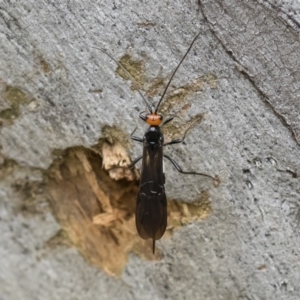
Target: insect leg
142 116
126 167
169 119
134 162
135 138
176 141
178 168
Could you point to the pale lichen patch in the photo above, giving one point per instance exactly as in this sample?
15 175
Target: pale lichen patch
135 68
13 98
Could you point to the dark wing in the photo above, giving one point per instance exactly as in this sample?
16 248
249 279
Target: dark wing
151 215
151 206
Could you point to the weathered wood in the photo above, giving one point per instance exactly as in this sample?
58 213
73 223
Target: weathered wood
58 93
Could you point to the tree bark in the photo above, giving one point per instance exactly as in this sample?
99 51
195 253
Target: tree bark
66 109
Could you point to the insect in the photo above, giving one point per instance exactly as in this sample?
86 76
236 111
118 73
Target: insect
151 204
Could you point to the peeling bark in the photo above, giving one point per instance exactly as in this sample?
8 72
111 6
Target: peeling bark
66 226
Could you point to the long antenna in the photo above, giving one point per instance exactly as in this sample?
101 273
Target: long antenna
167 86
129 75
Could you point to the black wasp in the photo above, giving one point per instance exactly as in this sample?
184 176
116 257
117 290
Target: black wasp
151 205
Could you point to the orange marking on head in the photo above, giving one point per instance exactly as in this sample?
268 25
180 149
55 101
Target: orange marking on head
154 119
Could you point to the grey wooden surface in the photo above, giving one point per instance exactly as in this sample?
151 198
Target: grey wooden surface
249 247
